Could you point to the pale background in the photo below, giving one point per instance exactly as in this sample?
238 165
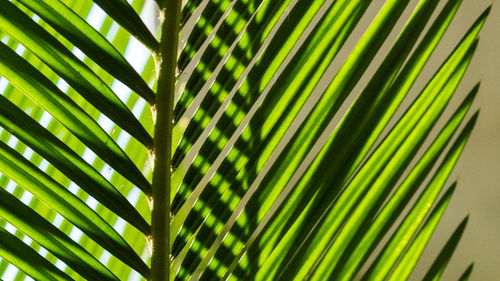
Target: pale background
478 171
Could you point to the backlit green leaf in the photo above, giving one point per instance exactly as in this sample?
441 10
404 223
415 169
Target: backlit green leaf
42 91
88 40
28 260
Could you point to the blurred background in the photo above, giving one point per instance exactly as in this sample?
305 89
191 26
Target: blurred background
478 171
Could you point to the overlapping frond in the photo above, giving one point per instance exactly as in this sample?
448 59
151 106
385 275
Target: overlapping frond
49 58
264 225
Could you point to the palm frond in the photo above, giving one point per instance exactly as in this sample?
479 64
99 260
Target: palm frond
285 165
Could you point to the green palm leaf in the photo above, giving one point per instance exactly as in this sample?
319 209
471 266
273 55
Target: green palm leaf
465 276
28 260
263 156
437 268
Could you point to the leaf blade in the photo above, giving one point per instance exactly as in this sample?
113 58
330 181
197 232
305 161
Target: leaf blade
76 73
87 39
386 217
409 260
467 273
51 238
29 261
383 264
67 161
23 172
438 266
124 14
41 90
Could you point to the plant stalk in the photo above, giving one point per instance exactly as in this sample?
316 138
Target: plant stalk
163 110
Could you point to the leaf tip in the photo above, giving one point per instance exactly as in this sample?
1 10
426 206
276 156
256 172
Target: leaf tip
464 221
451 189
484 15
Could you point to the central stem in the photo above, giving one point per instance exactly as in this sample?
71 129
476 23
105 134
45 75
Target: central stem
160 217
